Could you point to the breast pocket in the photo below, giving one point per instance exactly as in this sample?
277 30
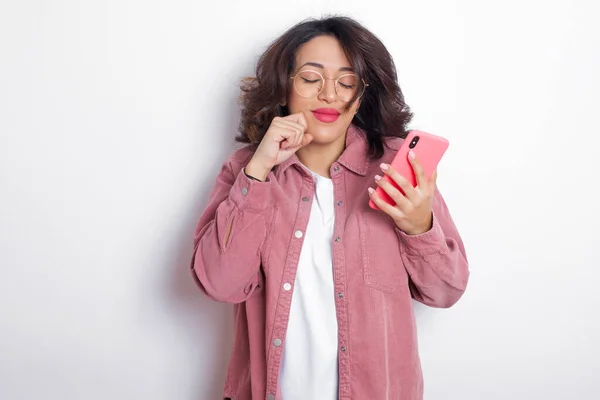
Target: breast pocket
380 248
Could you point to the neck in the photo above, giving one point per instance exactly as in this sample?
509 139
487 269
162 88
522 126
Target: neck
319 157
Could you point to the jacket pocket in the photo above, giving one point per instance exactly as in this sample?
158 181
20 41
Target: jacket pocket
380 249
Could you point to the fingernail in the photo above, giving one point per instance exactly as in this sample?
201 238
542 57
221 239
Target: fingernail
377 177
371 190
384 166
411 154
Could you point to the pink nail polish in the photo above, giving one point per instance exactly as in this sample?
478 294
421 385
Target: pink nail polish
411 154
384 166
377 177
371 190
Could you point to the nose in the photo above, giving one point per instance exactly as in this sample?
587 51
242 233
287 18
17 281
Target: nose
328 93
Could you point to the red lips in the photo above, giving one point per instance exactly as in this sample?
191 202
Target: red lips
327 115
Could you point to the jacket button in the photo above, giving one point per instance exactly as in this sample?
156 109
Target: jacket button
305 198
298 234
336 168
287 286
343 348
244 191
277 342
340 203
337 238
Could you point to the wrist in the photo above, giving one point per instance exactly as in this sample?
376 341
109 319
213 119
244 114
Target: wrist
255 170
420 229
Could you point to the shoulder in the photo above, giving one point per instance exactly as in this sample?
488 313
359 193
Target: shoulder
238 158
391 144
241 155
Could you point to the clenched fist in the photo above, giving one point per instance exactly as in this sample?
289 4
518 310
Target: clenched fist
283 138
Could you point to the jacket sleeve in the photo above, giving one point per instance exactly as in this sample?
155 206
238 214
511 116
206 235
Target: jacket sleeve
226 261
436 260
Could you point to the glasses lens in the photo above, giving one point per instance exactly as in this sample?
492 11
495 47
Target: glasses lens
348 86
308 83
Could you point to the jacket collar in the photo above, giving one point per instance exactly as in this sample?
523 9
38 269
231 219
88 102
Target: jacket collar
354 157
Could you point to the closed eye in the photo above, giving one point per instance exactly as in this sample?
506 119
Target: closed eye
310 80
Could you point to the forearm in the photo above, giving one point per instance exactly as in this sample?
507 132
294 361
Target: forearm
228 239
436 260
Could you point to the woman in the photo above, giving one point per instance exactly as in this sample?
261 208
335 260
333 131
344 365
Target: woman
321 283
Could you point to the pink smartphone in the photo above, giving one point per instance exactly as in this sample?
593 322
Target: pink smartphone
429 150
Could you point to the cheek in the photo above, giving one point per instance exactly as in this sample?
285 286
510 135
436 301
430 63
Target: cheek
349 115
296 103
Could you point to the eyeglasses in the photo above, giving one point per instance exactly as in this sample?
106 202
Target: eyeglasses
309 84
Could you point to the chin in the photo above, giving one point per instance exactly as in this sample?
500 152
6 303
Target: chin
325 137
327 134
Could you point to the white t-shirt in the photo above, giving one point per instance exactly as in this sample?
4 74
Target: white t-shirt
310 360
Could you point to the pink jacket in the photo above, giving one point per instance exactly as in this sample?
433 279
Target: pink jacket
247 246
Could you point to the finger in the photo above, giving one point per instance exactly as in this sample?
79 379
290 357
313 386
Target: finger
283 124
418 168
306 139
409 191
293 124
286 134
401 201
384 206
298 138
297 118
298 129
433 181
289 141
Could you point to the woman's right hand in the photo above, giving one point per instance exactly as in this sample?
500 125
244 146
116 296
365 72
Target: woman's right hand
283 138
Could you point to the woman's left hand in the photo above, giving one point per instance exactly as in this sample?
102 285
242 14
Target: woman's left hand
413 211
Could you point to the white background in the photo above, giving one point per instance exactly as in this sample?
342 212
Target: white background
115 117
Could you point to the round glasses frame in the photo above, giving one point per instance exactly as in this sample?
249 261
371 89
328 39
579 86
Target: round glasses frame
336 83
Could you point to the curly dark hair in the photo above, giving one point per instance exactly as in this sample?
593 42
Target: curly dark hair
382 111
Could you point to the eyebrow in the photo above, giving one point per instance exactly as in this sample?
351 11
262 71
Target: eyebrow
314 64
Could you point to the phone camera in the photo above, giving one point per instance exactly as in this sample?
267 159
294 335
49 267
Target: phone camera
413 143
